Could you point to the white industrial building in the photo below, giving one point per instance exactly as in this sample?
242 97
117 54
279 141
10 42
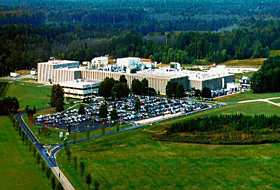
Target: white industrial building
46 69
128 62
64 71
80 89
99 62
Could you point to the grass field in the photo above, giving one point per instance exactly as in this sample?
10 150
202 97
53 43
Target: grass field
130 160
17 167
276 100
245 63
274 53
30 94
248 96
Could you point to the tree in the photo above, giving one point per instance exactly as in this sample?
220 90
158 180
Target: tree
103 111
82 109
171 89
53 183
34 151
145 85
59 186
74 138
180 90
103 129
43 165
114 114
88 133
75 159
8 105
68 153
38 157
34 110
197 93
82 167
96 185
88 180
136 87
48 173
123 79
120 90
56 100
137 105
105 87
118 126
206 92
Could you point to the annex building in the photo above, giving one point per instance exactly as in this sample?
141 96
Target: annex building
80 89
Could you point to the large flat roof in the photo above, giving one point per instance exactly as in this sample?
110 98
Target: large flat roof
192 75
58 62
168 73
79 83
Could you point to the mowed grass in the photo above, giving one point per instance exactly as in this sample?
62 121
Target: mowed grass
130 160
276 100
17 167
274 53
249 95
245 63
30 94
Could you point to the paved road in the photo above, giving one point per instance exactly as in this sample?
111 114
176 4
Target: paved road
43 151
262 100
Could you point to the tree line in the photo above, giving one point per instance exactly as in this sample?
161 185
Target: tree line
267 79
23 46
80 166
110 87
238 122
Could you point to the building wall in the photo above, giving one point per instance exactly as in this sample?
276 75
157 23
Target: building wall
48 70
63 75
213 84
45 72
184 80
158 83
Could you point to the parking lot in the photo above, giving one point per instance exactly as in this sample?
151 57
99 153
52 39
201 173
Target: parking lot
150 107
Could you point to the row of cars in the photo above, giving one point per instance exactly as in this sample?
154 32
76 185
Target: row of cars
153 106
126 107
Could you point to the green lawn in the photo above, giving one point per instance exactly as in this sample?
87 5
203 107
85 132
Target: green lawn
274 53
248 96
30 94
130 160
276 100
17 167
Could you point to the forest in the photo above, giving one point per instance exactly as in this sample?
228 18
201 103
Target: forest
267 79
168 30
225 129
